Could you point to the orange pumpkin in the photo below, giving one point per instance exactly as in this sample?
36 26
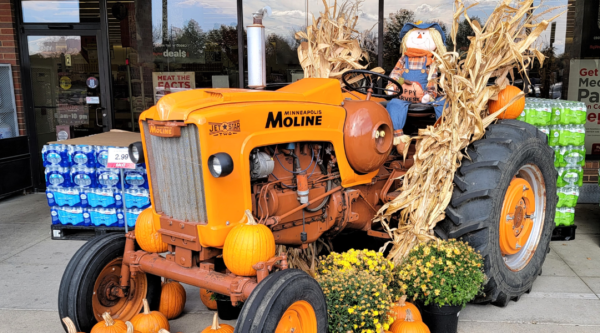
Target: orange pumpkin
398 311
246 245
130 328
149 321
504 97
216 328
146 232
109 325
206 298
408 325
70 325
172 299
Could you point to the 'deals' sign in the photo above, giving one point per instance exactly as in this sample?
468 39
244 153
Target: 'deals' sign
584 86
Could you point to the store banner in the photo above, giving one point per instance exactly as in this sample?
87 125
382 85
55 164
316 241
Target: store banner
584 86
165 83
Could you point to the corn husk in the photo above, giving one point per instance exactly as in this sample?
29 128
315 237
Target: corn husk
499 47
331 43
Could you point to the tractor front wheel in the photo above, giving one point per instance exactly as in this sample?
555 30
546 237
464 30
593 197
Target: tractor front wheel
85 290
286 301
503 205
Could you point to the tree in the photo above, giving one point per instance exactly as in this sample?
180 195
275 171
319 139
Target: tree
391 42
462 36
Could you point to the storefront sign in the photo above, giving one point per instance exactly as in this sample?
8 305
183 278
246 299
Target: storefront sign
69 114
92 82
584 86
92 100
65 82
118 158
165 83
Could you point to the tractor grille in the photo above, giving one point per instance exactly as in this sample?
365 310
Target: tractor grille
175 167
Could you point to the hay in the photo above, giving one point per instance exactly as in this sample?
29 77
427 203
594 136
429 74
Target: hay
333 45
501 45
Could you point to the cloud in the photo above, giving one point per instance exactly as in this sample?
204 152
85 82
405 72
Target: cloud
370 17
289 13
425 9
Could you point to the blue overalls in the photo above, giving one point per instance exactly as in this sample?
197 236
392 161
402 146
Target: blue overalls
398 108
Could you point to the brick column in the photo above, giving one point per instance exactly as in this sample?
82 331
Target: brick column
590 171
9 55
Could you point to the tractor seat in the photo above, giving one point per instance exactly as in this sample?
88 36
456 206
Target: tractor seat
419 110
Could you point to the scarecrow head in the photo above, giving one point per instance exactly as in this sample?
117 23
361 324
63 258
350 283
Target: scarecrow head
424 36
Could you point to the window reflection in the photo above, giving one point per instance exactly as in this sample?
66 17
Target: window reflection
60 11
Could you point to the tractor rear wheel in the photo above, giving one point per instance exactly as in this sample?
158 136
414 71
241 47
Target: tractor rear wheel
85 290
286 301
503 205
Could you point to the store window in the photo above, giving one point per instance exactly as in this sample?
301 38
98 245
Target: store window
289 17
60 11
158 47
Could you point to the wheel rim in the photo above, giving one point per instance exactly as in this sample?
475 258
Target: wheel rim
123 308
522 217
300 317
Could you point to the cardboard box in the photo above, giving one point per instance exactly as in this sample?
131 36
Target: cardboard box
115 138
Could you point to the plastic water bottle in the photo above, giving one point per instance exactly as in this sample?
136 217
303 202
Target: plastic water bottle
82 177
107 178
101 156
56 155
82 155
57 176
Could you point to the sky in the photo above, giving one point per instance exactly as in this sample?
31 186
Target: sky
288 15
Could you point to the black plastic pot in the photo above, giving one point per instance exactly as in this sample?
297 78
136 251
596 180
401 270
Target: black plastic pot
227 311
440 319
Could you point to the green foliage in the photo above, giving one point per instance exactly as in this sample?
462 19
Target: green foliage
444 273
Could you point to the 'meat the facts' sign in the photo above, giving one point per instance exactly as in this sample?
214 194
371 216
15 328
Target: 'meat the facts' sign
165 83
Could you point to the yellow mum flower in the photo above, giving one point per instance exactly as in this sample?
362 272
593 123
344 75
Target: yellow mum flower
376 294
436 292
375 321
423 287
386 327
456 251
375 313
351 310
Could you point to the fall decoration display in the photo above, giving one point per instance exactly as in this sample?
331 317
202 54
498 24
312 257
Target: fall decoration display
109 325
333 45
146 232
149 321
246 245
398 311
504 97
130 328
356 285
500 46
207 299
70 325
409 325
442 273
172 299
218 328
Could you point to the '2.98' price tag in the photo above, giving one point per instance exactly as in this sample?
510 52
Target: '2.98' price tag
118 158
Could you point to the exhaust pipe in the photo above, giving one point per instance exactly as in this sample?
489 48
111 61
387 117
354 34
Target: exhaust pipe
257 65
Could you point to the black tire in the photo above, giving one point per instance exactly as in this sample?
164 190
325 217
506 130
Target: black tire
473 214
63 295
274 295
84 272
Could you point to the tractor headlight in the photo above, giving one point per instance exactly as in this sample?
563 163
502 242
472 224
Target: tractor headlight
220 165
136 152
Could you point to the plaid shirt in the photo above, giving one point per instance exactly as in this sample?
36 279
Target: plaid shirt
415 63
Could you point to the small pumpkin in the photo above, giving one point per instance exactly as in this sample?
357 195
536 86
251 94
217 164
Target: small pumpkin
109 325
206 298
149 321
408 325
216 328
70 325
504 97
146 232
398 311
130 328
251 235
172 299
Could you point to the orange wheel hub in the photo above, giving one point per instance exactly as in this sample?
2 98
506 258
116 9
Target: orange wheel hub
516 220
104 300
300 317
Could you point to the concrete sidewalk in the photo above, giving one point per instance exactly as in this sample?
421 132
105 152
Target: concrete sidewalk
565 298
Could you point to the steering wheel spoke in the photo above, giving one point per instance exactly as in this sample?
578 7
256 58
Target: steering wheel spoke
375 82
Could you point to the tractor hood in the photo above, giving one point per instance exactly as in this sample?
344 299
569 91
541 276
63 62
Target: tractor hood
178 106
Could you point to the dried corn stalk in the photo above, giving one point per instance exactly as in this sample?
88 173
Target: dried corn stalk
501 45
333 45
304 259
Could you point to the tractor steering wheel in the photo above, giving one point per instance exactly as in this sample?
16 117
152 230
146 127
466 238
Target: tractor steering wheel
374 83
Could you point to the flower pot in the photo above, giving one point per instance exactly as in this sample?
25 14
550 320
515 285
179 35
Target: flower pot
440 319
227 311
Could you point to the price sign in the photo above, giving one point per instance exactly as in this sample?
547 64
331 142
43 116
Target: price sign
118 158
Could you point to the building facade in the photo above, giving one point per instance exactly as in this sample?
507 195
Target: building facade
80 67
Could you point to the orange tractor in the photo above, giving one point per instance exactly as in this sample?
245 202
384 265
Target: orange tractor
309 162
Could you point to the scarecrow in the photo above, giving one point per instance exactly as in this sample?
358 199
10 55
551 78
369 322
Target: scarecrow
416 72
